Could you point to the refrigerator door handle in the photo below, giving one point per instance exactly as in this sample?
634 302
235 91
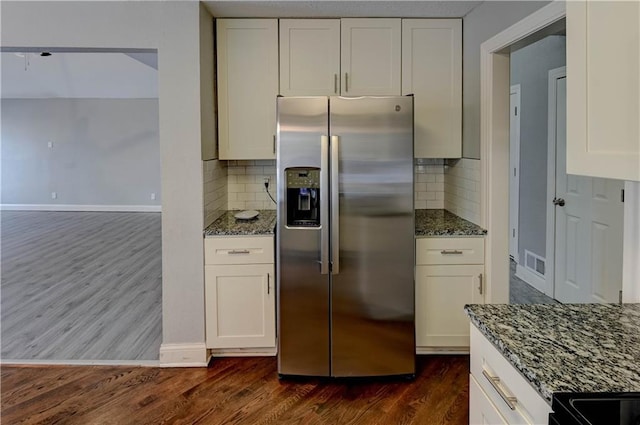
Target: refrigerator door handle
324 205
335 206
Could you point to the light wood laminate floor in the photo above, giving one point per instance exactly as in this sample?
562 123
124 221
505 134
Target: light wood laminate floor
81 285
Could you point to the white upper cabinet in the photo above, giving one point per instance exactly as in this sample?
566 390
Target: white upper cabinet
370 51
309 57
432 72
603 89
247 87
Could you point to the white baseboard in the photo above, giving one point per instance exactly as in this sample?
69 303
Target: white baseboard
184 355
442 350
531 278
38 362
69 207
244 352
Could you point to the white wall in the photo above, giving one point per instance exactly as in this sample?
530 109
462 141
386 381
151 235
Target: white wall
105 152
482 23
173 29
530 68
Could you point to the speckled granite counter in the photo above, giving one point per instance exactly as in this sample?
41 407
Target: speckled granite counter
227 225
567 347
431 223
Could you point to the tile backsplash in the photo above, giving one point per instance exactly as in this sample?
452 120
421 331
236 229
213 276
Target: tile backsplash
245 183
454 185
215 189
429 183
462 188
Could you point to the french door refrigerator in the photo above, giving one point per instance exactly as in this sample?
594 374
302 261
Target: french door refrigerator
345 236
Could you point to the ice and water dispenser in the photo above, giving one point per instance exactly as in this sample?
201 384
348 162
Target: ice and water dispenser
303 197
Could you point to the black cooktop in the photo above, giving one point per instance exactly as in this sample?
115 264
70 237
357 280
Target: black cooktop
595 409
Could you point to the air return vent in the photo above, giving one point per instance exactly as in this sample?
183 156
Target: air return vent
534 263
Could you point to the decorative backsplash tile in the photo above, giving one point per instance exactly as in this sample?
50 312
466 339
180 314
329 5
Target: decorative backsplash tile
462 188
245 183
215 190
429 183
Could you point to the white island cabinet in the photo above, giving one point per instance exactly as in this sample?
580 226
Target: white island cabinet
240 295
498 394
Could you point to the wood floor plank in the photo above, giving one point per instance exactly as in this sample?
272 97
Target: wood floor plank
241 391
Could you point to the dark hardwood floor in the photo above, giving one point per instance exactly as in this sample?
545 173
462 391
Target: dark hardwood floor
231 391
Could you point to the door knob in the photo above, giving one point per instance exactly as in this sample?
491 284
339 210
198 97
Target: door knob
558 201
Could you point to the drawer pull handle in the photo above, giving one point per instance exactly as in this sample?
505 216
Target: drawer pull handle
450 252
239 251
494 381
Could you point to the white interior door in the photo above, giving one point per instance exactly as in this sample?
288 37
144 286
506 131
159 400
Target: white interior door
588 226
514 170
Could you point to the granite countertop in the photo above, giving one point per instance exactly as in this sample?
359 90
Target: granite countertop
227 224
567 347
431 223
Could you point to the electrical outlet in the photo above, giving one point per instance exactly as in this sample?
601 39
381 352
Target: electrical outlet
49 145
54 195
267 180
153 196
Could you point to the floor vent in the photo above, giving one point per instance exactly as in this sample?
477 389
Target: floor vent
534 263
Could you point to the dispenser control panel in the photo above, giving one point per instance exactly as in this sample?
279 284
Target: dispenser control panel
303 197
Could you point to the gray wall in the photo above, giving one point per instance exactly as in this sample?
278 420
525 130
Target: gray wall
105 151
530 68
482 23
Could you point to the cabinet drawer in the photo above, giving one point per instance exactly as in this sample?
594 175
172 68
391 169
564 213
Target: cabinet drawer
481 409
486 363
449 251
238 250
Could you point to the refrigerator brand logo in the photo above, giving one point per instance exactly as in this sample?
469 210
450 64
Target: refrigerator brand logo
398 108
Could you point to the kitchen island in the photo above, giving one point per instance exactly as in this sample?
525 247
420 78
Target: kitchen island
556 348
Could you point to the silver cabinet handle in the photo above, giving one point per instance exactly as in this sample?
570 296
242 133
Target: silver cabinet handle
494 381
239 251
268 283
335 83
346 82
480 284
335 206
450 252
324 205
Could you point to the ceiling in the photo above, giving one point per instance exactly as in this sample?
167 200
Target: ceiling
344 9
79 75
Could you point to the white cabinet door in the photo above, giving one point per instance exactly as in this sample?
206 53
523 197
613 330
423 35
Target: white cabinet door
481 410
603 89
441 293
309 57
240 305
432 72
247 87
371 51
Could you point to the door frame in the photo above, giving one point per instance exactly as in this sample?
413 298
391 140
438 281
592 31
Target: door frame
514 161
550 269
494 142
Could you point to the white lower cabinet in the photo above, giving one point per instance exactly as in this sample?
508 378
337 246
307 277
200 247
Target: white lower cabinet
441 293
240 295
449 274
498 392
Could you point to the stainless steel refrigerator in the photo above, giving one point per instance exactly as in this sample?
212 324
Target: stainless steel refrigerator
345 236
